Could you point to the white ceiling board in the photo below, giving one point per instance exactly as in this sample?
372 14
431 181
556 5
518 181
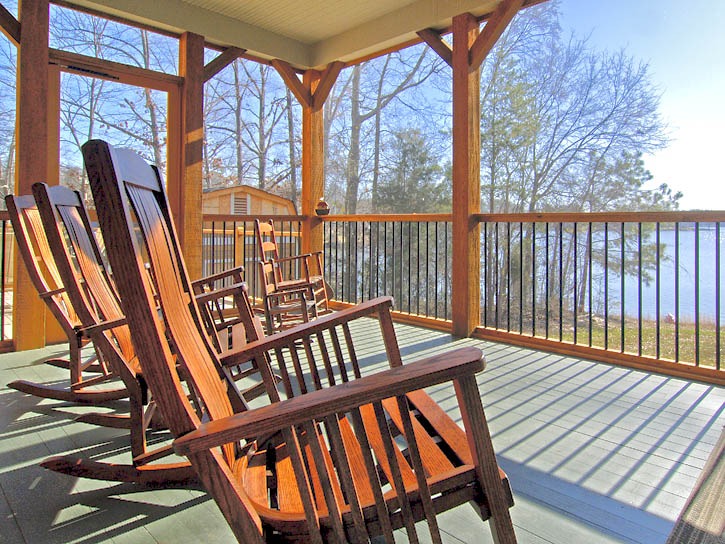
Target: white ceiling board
305 33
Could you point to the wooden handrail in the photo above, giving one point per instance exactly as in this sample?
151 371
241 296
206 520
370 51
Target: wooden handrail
707 216
604 217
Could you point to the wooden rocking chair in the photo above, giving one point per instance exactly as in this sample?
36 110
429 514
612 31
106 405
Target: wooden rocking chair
297 296
36 254
344 457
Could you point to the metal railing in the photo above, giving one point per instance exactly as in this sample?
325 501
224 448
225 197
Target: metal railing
616 286
642 284
406 256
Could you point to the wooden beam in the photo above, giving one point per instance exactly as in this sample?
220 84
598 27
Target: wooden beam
224 59
495 26
436 43
189 215
327 81
9 25
465 283
289 76
114 71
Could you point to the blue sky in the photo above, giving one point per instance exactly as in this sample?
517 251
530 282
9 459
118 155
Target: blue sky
684 45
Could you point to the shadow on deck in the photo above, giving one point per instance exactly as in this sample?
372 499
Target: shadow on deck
595 454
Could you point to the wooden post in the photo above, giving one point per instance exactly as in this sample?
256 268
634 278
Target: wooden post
54 333
466 276
32 156
311 93
185 188
313 166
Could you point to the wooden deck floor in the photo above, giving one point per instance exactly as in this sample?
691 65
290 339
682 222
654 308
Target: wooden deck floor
594 453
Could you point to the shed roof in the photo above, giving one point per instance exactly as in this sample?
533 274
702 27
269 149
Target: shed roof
307 34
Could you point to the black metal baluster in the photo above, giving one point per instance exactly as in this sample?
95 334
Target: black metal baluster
417 268
371 262
717 295
427 267
486 294
639 289
435 272
697 293
677 292
496 275
213 249
546 279
658 285
446 290
533 279
409 244
590 257
521 278
561 281
508 276
621 288
576 283
606 285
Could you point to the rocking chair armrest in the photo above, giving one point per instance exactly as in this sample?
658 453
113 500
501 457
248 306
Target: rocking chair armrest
222 292
333 400
301 256
235 271
288 337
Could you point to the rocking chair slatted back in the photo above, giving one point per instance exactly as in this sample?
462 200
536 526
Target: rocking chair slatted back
139 226
341 458
134 191
97 301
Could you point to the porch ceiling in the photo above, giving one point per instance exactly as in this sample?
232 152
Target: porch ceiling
307 34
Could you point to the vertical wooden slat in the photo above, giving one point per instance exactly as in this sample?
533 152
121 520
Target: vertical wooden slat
338 353
373 476
351 351
465 284
358 531
311 362
303 483
392 350
326 358
399 486
417 463
32 160
333 508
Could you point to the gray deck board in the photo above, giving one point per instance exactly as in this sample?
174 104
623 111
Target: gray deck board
595 454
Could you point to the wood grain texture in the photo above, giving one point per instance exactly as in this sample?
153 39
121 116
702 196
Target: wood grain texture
465 282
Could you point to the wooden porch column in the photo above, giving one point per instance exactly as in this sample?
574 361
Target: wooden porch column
185 188
470 48
466 276
32 156
313 166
